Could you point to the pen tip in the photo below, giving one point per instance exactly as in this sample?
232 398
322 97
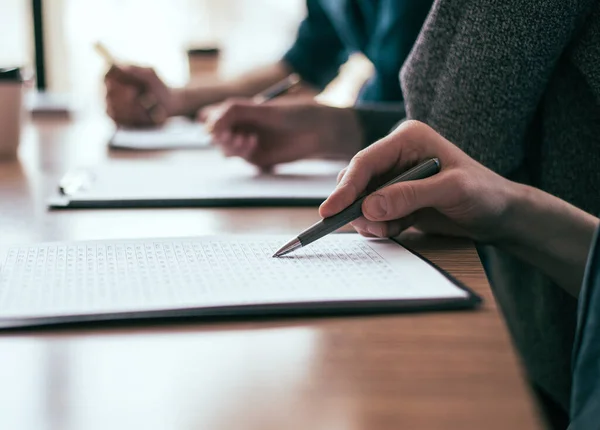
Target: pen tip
292 245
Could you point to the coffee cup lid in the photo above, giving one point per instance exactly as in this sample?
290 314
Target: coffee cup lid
11 75
208 51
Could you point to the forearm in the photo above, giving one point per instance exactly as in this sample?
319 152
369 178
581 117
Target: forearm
348 130
377 120
196 96
550 234
341 133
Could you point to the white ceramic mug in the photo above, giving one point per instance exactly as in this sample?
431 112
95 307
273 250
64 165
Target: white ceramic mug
11 112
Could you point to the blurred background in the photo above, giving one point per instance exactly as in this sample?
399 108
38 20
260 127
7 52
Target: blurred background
157 33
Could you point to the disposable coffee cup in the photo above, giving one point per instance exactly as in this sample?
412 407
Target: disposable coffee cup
11 111
203 62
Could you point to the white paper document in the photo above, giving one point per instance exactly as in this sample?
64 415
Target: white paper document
206 275
224 182
175 133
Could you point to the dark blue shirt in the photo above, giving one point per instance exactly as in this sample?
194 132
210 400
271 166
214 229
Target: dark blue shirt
383 30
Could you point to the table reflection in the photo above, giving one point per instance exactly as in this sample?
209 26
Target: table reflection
184 380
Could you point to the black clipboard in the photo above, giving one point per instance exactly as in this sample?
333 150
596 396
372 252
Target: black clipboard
262 311
223 184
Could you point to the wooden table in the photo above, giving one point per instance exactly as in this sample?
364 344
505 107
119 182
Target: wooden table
453 370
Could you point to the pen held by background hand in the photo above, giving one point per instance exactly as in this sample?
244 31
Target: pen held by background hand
329 225
279 89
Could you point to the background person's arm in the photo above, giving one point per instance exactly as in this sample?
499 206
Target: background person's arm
318 52
197 96
378 119
127 86
316 56
285 130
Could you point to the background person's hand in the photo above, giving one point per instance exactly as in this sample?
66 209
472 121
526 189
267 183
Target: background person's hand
209 113
464 198
136 96
283 131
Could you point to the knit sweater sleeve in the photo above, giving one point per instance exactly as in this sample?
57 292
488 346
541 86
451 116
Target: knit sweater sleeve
479 69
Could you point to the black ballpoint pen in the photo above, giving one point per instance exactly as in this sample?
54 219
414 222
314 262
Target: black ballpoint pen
277 90
328 225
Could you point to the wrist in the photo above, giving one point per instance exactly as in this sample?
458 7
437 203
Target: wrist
378 120
514 223
179 104
550 234
342 133
187 101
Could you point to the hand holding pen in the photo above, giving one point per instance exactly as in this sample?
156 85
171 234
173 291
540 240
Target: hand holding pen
463 199
355 210
136 96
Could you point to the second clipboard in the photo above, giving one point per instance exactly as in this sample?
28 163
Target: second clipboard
223 183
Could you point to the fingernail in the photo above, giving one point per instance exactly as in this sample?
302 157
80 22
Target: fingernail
376 207
359 224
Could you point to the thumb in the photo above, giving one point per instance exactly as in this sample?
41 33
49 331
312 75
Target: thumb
204 114
402 199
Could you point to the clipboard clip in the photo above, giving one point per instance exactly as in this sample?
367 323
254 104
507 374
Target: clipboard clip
75 181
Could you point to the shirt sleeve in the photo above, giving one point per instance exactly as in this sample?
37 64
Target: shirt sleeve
318 51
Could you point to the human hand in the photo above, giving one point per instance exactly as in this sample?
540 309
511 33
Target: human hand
464 198
136 96
208 114
282 131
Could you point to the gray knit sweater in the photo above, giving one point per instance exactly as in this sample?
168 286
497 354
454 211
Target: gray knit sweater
516 84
